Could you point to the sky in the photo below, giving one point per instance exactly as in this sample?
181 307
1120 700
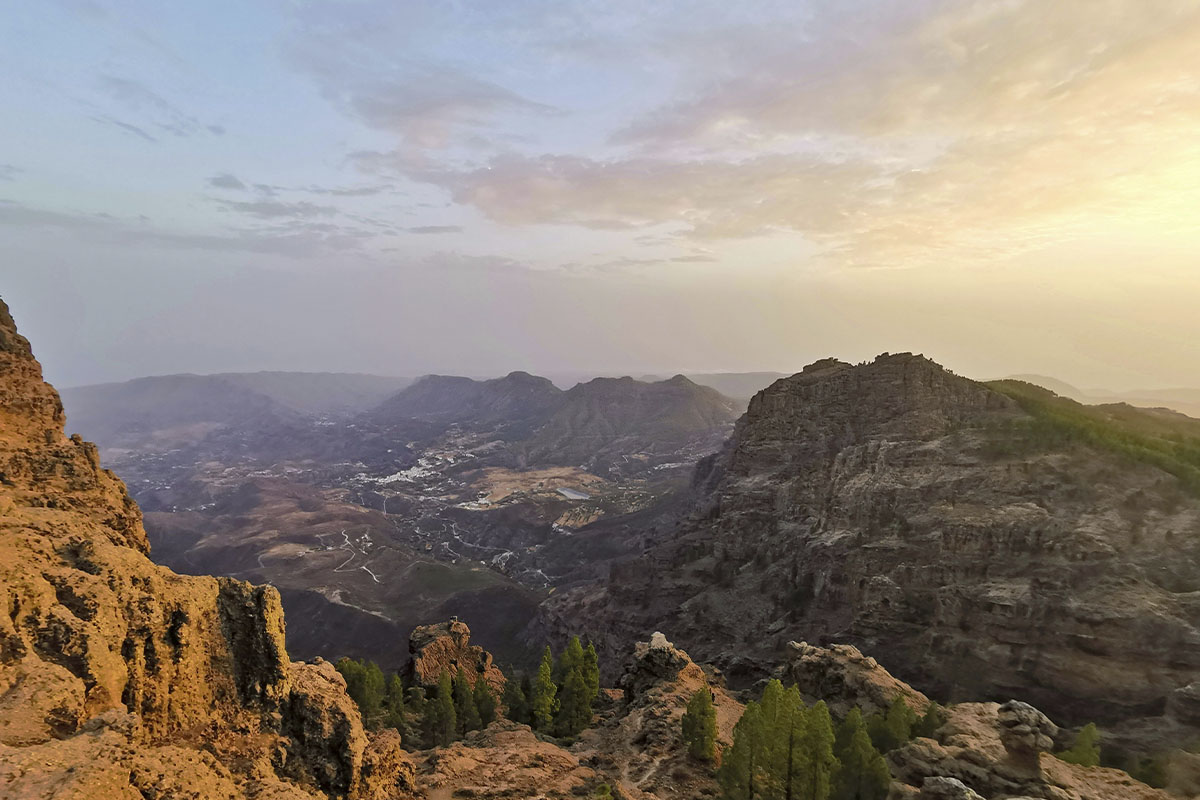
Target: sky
612 187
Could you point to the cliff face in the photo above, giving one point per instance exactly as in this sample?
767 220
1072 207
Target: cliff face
983 750
119 678
446 647
916 514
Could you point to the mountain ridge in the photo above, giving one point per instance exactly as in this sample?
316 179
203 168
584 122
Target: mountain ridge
870 504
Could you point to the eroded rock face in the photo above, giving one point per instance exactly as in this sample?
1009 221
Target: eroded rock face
844 678
1025 732
909 511
946 789
635 742
506 760
327 744
1000 751
653 662
119 678
446 646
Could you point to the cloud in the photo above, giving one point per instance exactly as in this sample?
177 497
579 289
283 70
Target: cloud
226 181
384 72
435 229
125 126
890 135
711 199
274 209
348 191
8 172
160 112
429 108
294 238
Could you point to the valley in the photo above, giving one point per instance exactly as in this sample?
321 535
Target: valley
452 497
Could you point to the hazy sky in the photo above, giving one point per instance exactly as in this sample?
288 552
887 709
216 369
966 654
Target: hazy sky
403 187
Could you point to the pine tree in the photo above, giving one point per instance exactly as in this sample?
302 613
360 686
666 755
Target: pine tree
570 658
591 673
542 703
892 729
933 718
741 765
527 693
365 685
485 702
776 739
700 726
863 774
465 712
443 722
416 735
817 762
792 763
393 704
516 705
1086 750
574 707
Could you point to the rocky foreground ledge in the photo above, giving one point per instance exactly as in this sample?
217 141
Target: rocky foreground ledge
983 751
121 679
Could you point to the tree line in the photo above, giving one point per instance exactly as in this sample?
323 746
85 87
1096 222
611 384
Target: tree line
784 749
557 700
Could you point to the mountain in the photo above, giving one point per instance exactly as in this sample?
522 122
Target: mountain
1183 401
740 386
980 542
515 404
603 424
320 393
123 679
169 410
609 421
173 409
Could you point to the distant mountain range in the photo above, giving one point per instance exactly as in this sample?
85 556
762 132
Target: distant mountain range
516 403
185 407
1183 400
595 424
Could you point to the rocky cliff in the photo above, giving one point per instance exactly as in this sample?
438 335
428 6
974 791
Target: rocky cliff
446 647
119 678
983 750
928 520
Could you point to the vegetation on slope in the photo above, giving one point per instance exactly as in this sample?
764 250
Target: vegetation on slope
558 701
1162 438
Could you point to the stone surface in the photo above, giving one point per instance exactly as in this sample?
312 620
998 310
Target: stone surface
446 646
915 514
844 678
983 746
635 742
506 760
119 678
946 789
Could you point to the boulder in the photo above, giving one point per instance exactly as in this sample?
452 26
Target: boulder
446 646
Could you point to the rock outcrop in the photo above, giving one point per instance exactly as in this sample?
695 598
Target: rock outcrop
1000 751
984 750
930 521
636 742
446 647
844 678
507 760
119 678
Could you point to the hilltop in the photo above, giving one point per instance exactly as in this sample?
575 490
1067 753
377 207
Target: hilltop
932 521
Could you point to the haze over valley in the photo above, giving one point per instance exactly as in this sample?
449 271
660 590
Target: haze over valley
553 400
